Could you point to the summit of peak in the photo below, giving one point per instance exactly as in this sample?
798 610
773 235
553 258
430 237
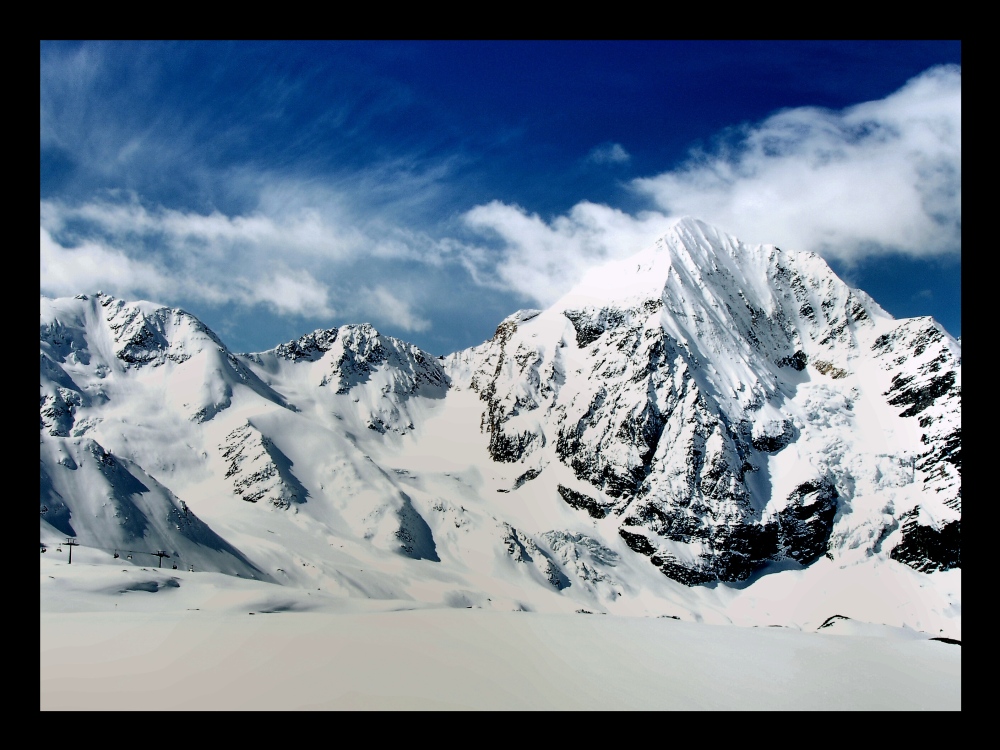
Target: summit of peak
688 244
692 223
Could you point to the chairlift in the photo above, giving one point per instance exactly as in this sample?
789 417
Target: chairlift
58 549
43 549
175 566
129 557
117 555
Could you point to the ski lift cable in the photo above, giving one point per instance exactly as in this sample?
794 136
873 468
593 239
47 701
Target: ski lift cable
116 550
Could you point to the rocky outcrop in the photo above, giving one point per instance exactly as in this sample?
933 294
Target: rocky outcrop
805 523
356 358
57 411
925 386
147 336
928 548
523 550
670 398
508 446
258 471
581 501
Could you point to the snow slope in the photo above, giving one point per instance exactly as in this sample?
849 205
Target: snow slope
723 433
144 639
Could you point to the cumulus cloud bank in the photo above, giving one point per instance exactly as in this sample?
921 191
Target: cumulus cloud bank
880 177
876 178
541 260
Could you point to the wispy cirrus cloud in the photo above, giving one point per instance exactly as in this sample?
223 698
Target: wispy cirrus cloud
176 174
390 306
93 265
188 178
297 261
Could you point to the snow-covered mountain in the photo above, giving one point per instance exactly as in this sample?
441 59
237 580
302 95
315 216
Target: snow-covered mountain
679 426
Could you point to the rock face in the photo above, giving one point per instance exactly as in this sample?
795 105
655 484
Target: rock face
258 470
698 411
381 373
673 384
926 387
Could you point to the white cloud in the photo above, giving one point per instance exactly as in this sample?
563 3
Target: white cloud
609 153
382 304
879 177
92 267
169 255
297 263
883 176
542 260
295 293
303 232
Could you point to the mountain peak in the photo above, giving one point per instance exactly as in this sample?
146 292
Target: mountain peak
692 413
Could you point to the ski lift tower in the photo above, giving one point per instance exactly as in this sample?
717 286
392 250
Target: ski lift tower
71 543
161 554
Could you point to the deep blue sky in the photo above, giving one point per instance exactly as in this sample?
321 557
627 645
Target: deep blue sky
432 188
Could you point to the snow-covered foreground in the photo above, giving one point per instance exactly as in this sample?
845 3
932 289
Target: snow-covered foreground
711 476
128 637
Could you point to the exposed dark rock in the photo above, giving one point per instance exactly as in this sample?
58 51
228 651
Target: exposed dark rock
640 428
142 345
508 448
523 549
800 532
526 477
668 565
831 620
797 361
590 325
582 502
682 573
637 542
856 310
744 549
311 346
804 526
927 549
587 330
678 524
581 556
258 470
921 397
828 368
503 447
57 411
930 335
773 437
362 353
